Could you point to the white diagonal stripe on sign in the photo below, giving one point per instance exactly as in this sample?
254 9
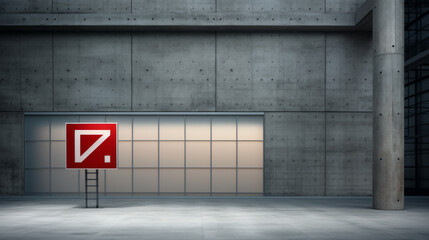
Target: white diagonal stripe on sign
80 158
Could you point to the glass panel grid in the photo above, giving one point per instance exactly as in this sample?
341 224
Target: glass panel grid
211 157
416 100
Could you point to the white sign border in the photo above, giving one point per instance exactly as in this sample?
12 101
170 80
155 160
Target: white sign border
117 146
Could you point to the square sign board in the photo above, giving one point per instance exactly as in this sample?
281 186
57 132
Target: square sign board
91 146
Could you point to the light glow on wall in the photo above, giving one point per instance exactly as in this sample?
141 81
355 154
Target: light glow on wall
207 155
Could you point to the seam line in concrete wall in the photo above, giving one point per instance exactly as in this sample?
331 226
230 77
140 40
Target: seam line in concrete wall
176 113
53 80
394 22
325 108
132 77
20 73
215 84
325 6
145 113
252 64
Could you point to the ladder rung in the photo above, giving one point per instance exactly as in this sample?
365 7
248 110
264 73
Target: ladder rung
91 182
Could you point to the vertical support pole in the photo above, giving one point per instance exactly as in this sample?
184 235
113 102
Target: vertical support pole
388 99
96 179
86 188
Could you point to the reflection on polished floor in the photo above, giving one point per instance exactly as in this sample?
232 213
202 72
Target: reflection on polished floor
211 218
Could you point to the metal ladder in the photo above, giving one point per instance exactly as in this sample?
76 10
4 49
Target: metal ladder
91 182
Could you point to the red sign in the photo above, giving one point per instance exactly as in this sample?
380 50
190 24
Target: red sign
91 146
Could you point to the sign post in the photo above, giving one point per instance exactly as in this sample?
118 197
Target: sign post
91 146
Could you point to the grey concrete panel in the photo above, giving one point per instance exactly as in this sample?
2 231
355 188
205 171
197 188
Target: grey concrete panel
36 72
349 154
11 153
234 6
9 72
26 72
25 6
10 181
313 6
342 6
174 72
91 6
267 71
180 21
270 72
304 67
388 21
183 6
92 72
294 161
234 71
348 72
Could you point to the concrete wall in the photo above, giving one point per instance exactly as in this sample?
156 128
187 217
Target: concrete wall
314 87
186 6
11 158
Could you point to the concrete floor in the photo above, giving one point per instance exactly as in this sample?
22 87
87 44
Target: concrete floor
212 218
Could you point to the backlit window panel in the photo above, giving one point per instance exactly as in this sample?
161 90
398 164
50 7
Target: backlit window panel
158 155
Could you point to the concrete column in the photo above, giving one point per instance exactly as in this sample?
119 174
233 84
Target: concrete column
388 110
